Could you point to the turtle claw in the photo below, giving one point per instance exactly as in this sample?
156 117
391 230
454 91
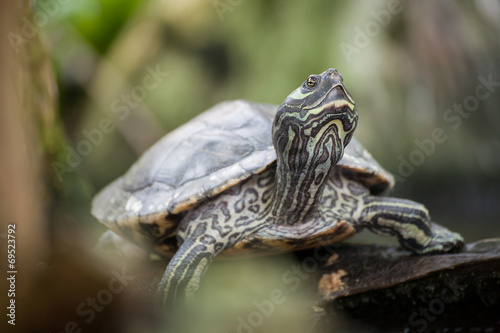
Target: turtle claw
443 241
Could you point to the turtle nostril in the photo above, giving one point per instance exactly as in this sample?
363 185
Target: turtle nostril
333 72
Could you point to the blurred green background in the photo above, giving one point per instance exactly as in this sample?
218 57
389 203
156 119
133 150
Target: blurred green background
406 63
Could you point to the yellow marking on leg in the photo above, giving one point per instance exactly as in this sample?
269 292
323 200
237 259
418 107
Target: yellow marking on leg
194 282
410 231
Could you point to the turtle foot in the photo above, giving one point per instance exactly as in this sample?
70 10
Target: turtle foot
442 241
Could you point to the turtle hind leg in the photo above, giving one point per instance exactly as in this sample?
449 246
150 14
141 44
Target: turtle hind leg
410 223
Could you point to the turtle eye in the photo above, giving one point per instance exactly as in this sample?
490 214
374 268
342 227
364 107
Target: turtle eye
312 81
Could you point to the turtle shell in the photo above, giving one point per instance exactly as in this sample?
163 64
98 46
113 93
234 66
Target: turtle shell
214 151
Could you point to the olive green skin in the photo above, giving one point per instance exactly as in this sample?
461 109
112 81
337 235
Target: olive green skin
249 178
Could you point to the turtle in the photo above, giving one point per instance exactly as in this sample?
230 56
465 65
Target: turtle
247 178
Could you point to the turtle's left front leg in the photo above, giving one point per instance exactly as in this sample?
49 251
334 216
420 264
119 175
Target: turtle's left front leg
409 222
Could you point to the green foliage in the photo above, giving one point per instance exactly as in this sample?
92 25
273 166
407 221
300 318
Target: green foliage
98 21
402 67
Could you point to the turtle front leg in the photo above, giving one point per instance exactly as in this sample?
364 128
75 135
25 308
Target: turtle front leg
409 222
201 239
185 270
183 274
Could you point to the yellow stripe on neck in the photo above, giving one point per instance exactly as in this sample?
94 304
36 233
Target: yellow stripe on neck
335 104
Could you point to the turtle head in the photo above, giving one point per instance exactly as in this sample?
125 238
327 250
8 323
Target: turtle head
315 122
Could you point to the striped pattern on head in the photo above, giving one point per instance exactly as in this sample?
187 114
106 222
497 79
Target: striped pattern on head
310 130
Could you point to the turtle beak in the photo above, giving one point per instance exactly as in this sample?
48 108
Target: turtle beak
347 94
330 95
335 75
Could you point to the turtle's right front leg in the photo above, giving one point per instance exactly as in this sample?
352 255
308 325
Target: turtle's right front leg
409 222
184 271
203 237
